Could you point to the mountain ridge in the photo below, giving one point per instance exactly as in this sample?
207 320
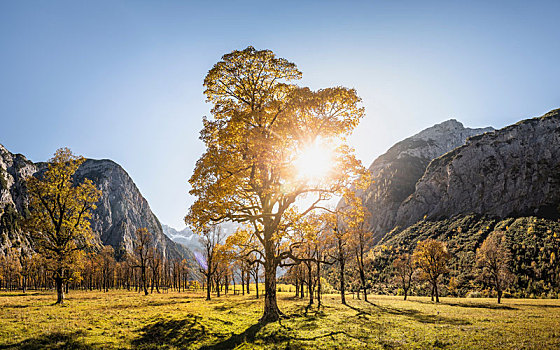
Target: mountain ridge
120 211
396 172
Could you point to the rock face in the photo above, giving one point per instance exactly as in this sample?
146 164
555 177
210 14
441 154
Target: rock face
396 172
120 212
122 209
14 168
511 172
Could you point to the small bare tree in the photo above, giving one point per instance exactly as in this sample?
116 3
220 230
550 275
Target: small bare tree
142 252
403 268
210 238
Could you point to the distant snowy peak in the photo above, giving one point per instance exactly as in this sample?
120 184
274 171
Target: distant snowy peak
185 237
190 239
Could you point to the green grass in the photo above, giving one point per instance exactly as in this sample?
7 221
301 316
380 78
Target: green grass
120 319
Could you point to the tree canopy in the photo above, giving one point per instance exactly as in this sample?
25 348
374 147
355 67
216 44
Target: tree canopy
59 215
260 124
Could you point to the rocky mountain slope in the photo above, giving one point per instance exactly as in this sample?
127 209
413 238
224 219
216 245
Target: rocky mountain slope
14 168
396 172
507 181
533 243
511 172
120 212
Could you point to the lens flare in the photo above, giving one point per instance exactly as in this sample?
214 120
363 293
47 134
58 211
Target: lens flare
314 162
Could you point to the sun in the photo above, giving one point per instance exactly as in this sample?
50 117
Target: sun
314 161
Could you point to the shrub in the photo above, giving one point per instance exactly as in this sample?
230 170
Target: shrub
474 294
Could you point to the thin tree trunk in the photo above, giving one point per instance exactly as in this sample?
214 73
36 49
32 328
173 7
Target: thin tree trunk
242 282
309 283
257 282
144 282
319 281
208 285
341 262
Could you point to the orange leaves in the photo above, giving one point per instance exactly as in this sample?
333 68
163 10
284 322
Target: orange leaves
431 257
60 210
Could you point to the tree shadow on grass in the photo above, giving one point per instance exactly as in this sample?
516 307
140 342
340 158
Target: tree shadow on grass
20 294
481 306
231 304
15 306
308 312
539 305
247 336
360 312
469 305
164 334
53 341
415 315
282 335
151 303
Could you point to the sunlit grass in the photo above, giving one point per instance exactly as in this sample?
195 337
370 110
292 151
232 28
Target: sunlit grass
120 319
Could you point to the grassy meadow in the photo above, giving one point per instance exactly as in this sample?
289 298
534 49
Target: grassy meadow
128 320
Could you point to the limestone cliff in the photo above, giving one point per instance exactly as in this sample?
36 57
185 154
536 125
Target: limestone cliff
511 172
396 172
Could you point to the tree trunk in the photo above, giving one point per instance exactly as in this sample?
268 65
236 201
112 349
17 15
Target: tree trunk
319 281
499 296
436 291
257 282
248 282
363 279
144 282
59 290
271 311
242 282
309 283
341 262
208 284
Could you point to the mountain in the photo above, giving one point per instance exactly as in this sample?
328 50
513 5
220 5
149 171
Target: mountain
14 168
191 240
396 172
511 172
507 180
120 212
185 237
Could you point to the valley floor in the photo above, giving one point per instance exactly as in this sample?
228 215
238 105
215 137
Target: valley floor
127 320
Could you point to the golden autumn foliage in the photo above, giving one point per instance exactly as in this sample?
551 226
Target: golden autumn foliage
59 214
493 259
431 257
260 124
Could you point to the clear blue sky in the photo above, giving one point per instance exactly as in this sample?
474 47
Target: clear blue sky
123 79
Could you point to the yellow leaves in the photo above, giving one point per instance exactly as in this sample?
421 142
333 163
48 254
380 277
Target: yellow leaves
59 209
431 257
260 122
